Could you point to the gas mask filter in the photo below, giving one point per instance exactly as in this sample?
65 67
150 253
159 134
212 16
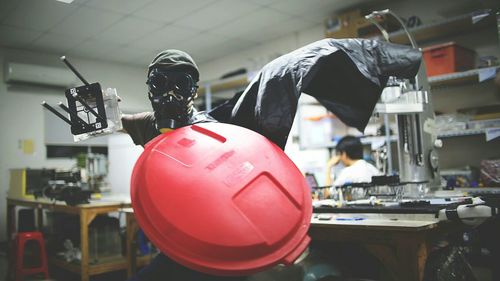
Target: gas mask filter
171 94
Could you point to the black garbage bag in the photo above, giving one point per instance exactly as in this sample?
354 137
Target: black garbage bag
346 76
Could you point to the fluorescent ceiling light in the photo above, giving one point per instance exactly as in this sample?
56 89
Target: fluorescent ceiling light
65 1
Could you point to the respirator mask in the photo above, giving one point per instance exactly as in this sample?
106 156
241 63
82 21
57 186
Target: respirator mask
171 94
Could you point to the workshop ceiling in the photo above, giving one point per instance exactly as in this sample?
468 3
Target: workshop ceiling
133 31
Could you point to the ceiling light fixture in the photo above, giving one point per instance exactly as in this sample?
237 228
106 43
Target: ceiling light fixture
66 1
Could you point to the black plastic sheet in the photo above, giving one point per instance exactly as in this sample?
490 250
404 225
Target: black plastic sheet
347 76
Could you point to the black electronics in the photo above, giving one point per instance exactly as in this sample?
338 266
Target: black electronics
72 195
385 180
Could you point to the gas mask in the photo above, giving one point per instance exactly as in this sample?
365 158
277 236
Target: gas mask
171 94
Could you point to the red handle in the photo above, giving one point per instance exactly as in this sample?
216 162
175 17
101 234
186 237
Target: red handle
438 53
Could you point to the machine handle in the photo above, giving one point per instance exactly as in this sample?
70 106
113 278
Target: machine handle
72 68
51 109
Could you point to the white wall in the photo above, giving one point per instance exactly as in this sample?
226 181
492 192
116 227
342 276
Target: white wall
254 58
122 155
21 116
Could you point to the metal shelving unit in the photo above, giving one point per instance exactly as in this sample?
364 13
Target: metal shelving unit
443 134
448 27
476 128
365 141
222 89
468 132
231 83
465 77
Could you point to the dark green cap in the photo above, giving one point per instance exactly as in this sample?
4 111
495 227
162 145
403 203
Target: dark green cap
175 60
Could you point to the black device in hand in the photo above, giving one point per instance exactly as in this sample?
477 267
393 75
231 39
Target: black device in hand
85 106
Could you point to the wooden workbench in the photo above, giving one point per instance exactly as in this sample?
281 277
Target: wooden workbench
87 213
401 242
401 245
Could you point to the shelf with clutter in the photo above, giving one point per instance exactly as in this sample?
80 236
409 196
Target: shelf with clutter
352 24
448 27
471 76
216 91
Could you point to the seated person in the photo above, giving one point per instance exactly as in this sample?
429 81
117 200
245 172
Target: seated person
349 151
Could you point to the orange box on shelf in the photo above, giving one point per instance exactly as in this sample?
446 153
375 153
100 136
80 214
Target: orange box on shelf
447 58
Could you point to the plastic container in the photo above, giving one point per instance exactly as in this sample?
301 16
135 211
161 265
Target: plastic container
221 199
447 58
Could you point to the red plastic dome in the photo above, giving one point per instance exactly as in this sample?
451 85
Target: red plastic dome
221 199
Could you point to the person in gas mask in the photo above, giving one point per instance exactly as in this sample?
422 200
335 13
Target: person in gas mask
172 88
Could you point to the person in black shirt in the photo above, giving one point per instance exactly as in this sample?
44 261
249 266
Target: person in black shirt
172 88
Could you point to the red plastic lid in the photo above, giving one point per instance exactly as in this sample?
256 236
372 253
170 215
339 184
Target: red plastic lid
221 199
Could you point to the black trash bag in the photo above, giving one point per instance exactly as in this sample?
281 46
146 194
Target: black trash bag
346 76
